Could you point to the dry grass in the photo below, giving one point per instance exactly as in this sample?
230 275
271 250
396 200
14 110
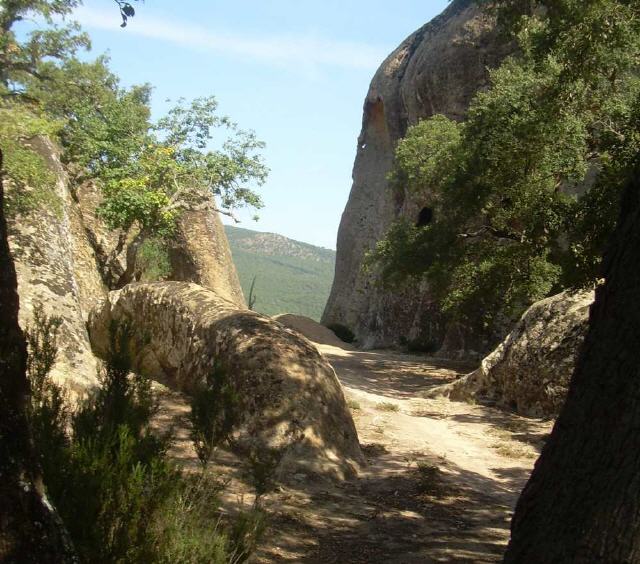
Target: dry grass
387 406
354 405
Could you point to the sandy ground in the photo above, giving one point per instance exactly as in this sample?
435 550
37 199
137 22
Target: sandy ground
440 485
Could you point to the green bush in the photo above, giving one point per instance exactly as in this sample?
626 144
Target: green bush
152 260
120 496
214 412
342 332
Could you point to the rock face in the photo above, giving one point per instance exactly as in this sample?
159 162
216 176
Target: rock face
44 249
290 397
201 255
531 369
437 70
67 260
29 529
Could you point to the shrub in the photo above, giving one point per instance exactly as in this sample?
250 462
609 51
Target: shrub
120 496
214 412
152 260
342 332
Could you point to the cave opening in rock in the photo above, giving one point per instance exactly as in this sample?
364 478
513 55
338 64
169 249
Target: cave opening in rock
425 217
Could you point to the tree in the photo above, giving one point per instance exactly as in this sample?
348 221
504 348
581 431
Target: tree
582 502
509 226
21 60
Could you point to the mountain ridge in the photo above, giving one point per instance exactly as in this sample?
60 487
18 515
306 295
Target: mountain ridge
290 276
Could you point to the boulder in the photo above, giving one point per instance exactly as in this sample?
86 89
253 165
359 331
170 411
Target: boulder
530 370
436 70
290 397
312 330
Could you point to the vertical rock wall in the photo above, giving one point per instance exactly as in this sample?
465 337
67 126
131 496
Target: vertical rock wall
437 70
44 250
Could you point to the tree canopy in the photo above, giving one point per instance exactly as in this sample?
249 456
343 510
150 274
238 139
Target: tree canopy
149 171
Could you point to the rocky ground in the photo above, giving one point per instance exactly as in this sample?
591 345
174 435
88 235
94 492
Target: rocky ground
440 484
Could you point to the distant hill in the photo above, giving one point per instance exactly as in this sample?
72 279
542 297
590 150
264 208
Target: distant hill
291 276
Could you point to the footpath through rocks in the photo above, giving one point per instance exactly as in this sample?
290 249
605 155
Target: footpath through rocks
440 483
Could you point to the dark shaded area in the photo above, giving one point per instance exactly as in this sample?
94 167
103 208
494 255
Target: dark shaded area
29 531
582 503
458 518
395 376
425 217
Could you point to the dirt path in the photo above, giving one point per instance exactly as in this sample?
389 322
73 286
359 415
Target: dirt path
441 481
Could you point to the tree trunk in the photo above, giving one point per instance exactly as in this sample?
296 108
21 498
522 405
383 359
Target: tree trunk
582 502
29 529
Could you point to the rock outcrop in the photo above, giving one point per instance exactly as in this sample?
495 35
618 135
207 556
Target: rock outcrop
201 255
290 398
530 370
437 70
45 251
67 260
29 529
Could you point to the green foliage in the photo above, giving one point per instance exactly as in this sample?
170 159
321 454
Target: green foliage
509 223
49 412
120 497
152 260
31 183
149 172
21 61
214 412
291 277
342 332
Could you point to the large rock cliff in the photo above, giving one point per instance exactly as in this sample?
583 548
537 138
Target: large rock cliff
67 260
437 70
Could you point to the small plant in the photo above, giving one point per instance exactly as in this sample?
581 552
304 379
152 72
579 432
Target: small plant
387 406
429 478
214 412
354 405
262 462
251 301
342 332
49 414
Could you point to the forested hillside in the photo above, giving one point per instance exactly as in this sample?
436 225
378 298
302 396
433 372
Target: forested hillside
290 276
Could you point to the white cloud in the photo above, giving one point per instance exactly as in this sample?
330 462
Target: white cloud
302 51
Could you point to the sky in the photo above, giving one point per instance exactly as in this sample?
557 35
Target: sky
294 71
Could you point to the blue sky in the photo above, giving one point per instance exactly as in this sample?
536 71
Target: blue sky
294 71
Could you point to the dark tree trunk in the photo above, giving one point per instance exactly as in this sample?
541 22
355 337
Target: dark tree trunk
582 502
29 529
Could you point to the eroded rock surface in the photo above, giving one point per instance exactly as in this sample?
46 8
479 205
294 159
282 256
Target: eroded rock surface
58 272
437 70
290 397
67 260
30 531
531 369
